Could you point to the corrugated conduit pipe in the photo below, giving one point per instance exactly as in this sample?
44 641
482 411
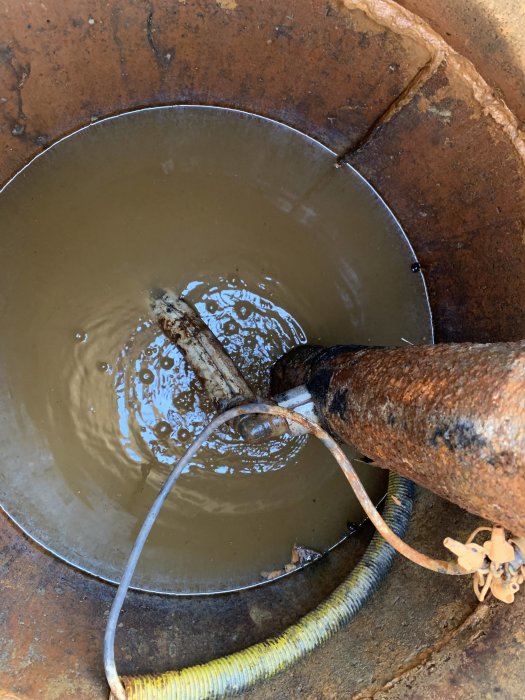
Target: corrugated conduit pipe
239 671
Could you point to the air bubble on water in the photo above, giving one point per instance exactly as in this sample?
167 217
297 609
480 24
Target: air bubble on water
243 311
146 376
103 367
167 362
81 336
183 434
149 351
163 429
231 327
211 306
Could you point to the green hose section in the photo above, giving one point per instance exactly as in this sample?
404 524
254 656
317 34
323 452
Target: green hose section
239 671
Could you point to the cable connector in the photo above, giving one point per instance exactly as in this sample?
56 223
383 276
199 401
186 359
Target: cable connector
498 565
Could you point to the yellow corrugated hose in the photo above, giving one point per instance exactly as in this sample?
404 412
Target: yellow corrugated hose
236 672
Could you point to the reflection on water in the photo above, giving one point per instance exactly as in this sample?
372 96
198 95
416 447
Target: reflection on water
152 405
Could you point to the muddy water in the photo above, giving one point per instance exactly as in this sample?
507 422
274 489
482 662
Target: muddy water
275 247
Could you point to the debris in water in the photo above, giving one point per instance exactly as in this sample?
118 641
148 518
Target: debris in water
304 554
268 575
299 557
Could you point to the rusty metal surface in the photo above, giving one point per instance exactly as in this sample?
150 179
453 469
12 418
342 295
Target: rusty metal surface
458 187
485 659
450 417
53 619
294 368
303 63
419 639
455 183
56 618
490 34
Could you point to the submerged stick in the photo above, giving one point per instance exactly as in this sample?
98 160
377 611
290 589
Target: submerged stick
215 369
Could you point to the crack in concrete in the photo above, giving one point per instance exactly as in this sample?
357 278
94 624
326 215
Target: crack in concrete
411 89
162 57
115 32
389 14
474 618
149 32
21 73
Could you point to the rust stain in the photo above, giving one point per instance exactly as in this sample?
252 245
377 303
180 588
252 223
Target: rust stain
482 29
458 188
157 53
406 23
472 621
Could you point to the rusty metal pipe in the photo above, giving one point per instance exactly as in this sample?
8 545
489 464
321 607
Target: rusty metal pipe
449 417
